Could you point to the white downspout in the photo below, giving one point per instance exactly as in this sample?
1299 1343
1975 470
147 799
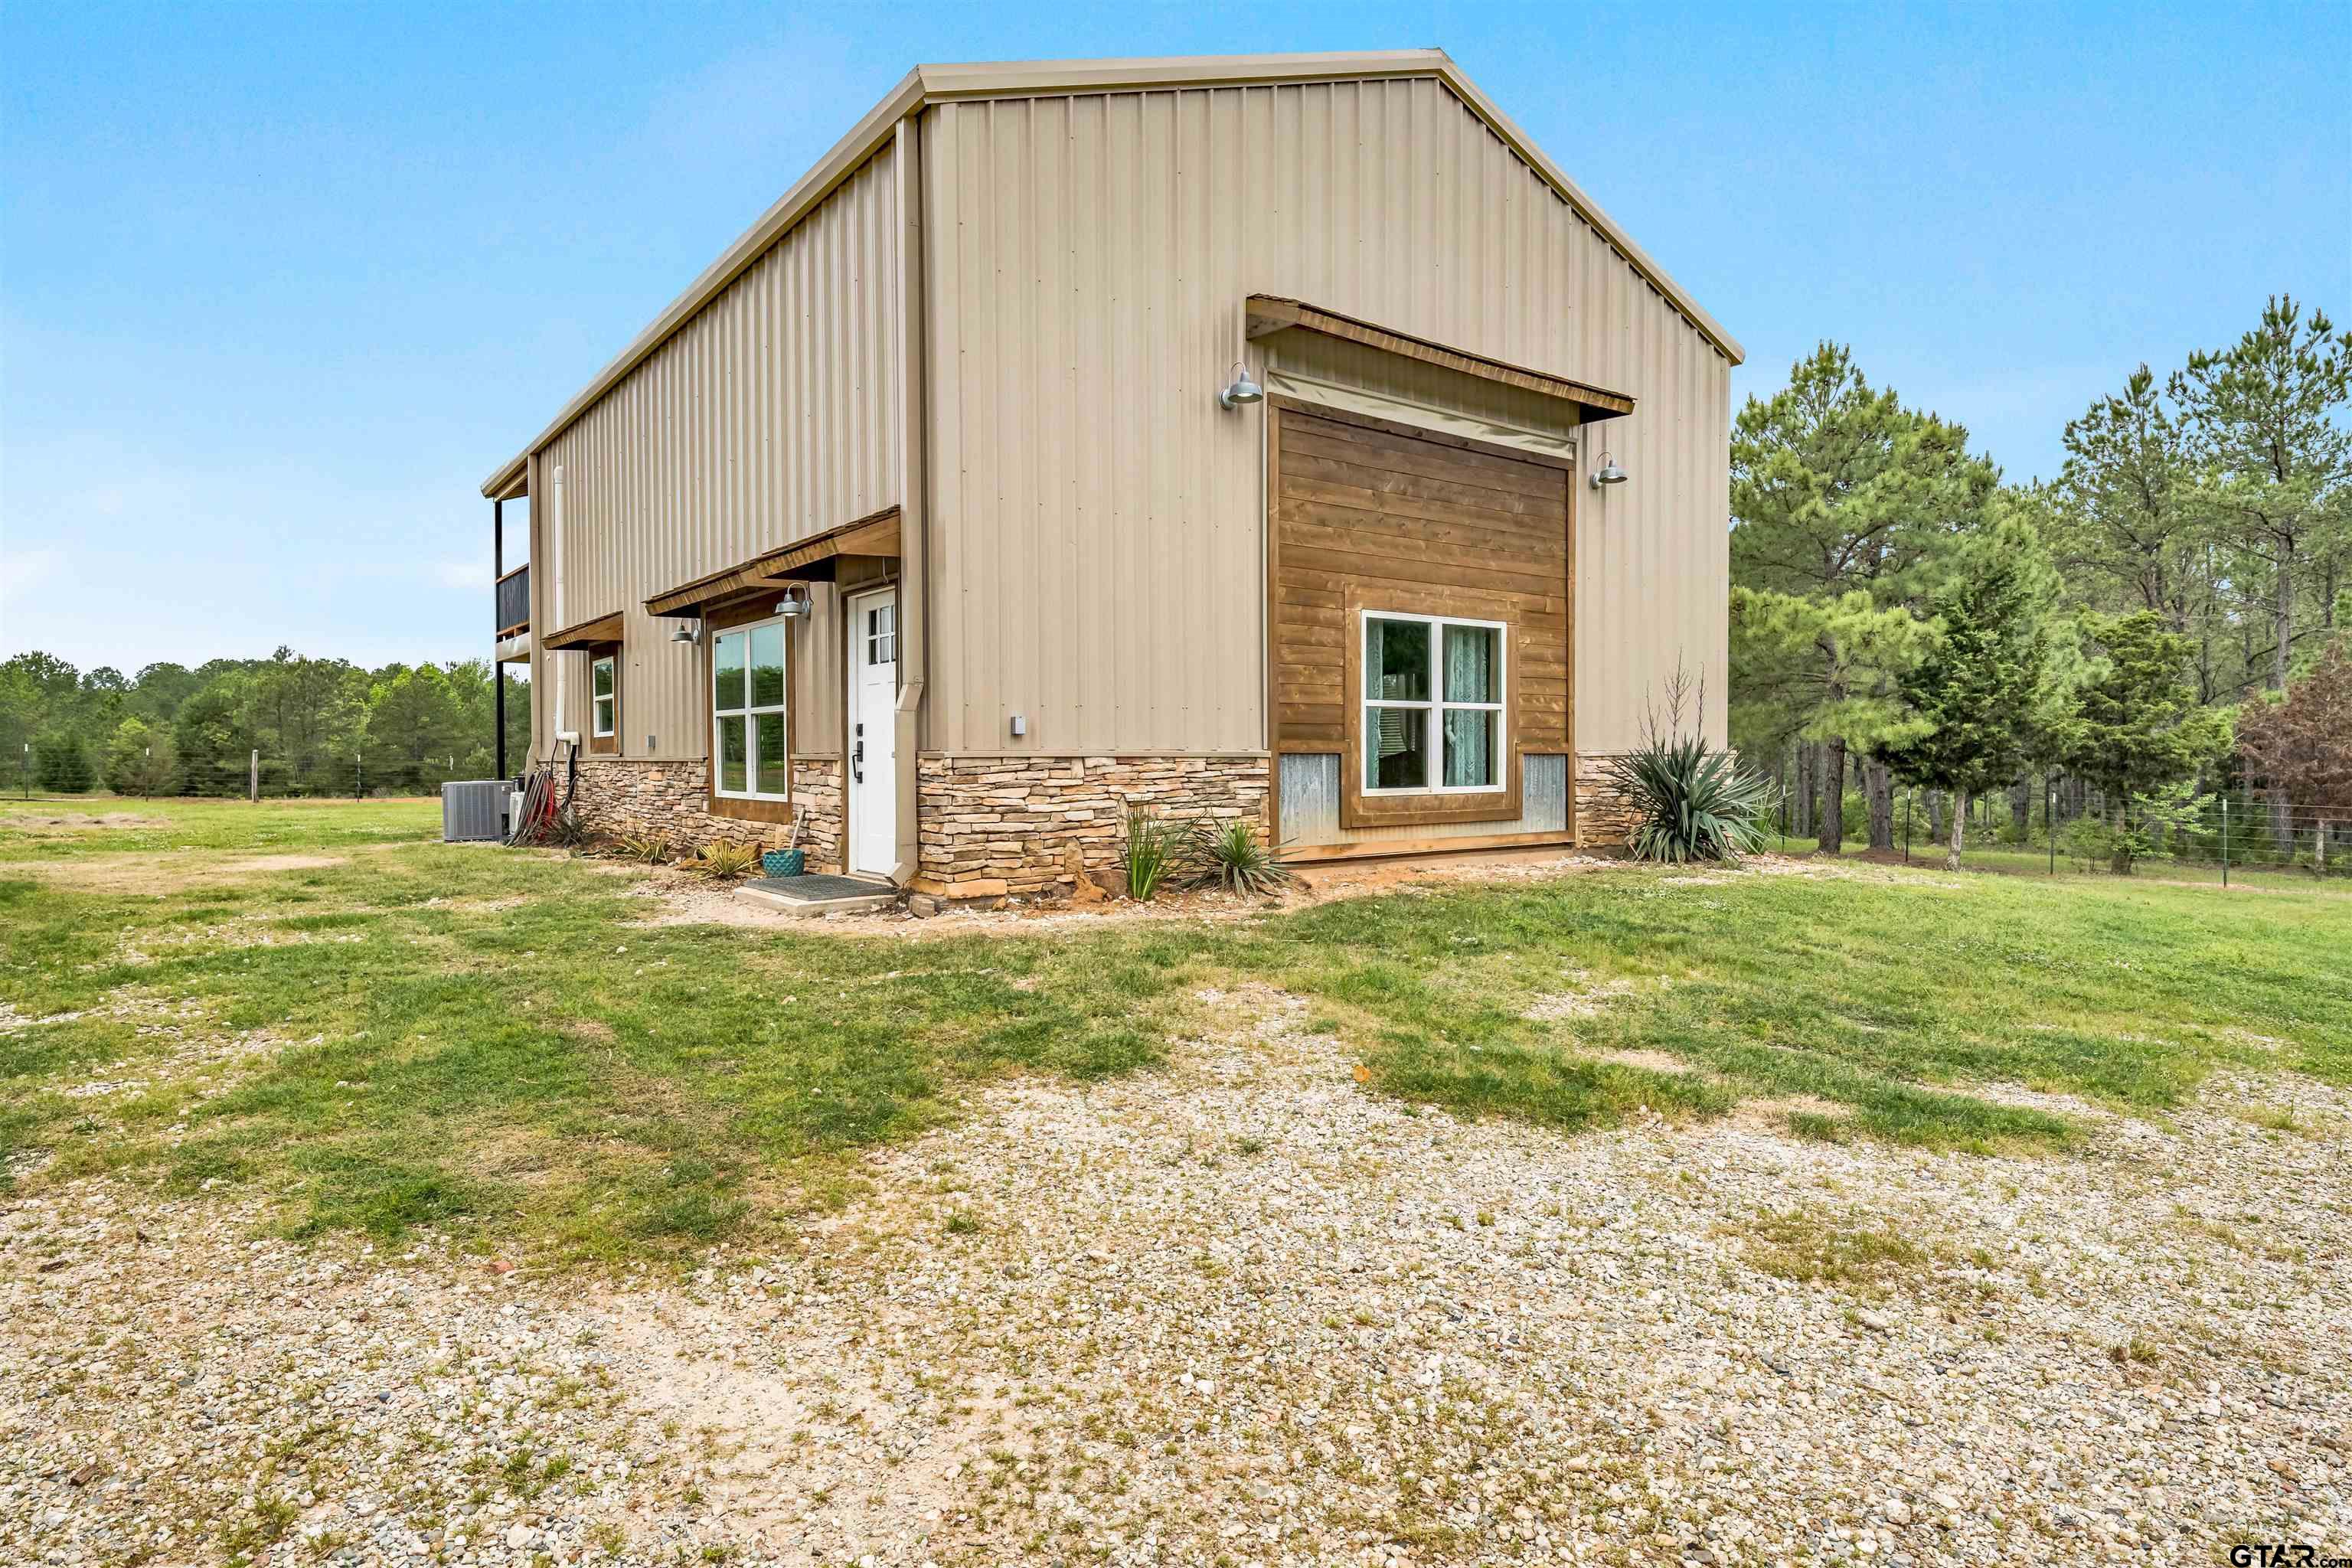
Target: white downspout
555 547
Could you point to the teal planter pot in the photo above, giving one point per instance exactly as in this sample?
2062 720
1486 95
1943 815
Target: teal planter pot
784 862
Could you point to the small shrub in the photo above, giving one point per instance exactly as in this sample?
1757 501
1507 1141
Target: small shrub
1690 801
1235 859
1151 850
725 861
649 847
566 829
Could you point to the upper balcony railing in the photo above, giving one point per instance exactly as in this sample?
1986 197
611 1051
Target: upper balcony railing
514 601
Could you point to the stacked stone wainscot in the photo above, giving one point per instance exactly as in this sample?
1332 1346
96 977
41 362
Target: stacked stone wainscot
623 796
1604 812
1011 826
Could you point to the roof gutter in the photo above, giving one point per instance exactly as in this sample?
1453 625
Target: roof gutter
1042 79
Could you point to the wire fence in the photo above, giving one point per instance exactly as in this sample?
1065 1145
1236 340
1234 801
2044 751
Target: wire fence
2216 839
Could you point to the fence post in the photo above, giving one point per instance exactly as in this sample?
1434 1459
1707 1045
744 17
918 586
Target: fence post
1906 823
2050 816
253 777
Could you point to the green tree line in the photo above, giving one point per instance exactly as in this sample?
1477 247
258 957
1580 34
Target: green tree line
1901 615
322 726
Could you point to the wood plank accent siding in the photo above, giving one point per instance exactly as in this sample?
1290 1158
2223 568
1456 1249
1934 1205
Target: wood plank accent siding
1372 515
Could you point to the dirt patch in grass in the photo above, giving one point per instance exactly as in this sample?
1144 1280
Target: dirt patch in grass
1648 1061
1782 1113
76 822
163 874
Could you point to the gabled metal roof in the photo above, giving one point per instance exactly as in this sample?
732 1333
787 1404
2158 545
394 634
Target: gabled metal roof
1039 79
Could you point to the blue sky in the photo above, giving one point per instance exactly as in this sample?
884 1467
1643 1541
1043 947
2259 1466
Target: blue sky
279 285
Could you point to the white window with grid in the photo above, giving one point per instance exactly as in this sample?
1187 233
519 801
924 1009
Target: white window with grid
1432 704
747 705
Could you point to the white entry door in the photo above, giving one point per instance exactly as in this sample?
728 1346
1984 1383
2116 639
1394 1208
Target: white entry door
873 731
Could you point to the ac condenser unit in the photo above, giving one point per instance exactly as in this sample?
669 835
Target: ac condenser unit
474 810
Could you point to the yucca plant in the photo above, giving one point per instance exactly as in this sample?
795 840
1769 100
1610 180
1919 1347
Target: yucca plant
649 847
1690 801
723 861
1235 858
1151 849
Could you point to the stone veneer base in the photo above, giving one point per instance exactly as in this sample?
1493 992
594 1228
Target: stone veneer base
993 827
1011 826
622 796
1604 812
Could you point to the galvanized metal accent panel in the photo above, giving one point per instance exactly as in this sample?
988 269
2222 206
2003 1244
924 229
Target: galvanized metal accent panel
1308 798
773 414
1100 521
471 810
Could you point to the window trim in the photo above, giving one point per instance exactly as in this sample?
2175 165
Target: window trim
1435 706
751 712
611 729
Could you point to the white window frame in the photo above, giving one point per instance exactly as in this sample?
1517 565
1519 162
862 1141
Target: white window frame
1435 707
608 725
751 714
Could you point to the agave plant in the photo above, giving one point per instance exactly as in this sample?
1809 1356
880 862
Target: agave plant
724 860
1690 801
1235 858
649 847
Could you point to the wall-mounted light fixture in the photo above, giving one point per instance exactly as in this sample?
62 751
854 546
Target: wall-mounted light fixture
1241 389
795 603
1608 473
686 632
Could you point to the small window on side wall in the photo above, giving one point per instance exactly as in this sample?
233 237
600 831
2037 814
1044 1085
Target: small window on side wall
1432 703
603 697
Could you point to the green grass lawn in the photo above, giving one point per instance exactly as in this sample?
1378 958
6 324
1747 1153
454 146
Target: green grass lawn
486 1040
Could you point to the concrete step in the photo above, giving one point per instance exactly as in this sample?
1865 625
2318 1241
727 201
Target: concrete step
812 896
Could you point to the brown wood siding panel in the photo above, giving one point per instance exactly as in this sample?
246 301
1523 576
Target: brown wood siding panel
1415 536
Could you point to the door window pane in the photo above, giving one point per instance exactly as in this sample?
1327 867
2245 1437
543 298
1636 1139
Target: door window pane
1396 748
727 662
771 761
1470 746
731 760
1396 660
768 665
1470 664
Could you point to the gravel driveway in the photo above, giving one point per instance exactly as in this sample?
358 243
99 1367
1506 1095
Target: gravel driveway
1243 1311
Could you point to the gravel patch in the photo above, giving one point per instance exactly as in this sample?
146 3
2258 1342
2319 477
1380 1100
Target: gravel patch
1245 1310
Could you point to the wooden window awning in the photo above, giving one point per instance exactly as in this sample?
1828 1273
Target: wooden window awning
587 634
816 559
1273 313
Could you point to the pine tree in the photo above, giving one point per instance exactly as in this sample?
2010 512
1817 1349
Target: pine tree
1838 490
141 760
2137 726
1981 693
61 764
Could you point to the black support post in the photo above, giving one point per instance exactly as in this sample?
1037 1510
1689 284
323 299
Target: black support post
498 665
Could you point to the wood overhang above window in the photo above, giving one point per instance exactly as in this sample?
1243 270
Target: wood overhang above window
1273 313
818 559
586 634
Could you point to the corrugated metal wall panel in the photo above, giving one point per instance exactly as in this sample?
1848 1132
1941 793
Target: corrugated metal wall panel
1308 782
773 414
1099 520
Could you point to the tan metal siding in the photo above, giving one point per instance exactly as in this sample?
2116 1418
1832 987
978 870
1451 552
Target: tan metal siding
1100 520
773 414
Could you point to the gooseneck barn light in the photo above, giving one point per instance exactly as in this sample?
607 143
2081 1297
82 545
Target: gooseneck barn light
686 632
1608 473
1241 389
795 604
